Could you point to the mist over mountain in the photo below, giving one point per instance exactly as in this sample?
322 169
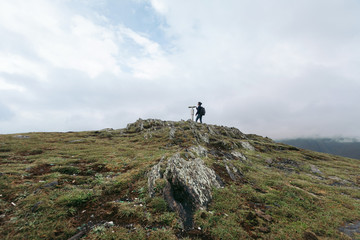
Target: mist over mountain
347 147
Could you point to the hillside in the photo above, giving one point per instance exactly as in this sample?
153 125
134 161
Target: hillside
173 180
349 149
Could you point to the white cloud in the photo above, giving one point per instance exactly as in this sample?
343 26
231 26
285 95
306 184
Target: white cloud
59 37
267 63
159 5
4 85
24 17
68 40
86 47
274 68
149 61
150 68
17 64
149 47
69 66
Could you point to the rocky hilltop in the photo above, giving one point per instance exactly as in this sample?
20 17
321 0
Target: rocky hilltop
173 180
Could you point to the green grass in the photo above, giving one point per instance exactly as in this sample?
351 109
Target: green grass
53 184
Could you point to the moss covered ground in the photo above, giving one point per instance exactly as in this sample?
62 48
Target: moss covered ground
93 185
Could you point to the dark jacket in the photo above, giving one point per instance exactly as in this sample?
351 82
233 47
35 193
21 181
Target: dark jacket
198 110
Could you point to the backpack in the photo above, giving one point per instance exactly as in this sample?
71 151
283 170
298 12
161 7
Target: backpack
202 111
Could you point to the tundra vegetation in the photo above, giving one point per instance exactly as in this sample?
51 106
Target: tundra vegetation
173 180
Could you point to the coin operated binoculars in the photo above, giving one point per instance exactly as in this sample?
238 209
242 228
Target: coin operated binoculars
192 111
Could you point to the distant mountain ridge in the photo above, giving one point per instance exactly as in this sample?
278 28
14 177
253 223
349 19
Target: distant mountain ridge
338 146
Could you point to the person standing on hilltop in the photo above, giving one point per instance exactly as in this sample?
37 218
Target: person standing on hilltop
200 112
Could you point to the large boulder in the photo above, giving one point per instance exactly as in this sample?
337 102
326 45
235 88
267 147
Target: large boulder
188 185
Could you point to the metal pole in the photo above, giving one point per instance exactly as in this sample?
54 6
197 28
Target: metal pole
192 111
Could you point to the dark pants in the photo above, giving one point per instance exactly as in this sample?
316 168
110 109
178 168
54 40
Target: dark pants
199 116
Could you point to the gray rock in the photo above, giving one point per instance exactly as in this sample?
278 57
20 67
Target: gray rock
148 134
172 133
195 175
188 185
109 224
212 131
233 172
238 155
247 146
21 136
201 137
315 170
286 164
233 133
351 229
155 174
152 124
200 151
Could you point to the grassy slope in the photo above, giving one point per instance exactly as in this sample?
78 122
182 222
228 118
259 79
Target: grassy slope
54 185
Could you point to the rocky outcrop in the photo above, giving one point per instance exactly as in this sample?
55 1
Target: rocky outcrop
188 185
234 173
247 146
201 132
141 125
199 150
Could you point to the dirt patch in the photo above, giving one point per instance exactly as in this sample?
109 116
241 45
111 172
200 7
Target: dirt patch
229 174
101 209
40 169
262 148
31 152
97 211
13 159
222 173
125 169
83 168
99 167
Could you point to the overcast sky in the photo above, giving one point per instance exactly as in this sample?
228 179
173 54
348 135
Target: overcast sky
276 68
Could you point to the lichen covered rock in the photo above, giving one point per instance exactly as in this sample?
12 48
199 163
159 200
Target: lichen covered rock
188 185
